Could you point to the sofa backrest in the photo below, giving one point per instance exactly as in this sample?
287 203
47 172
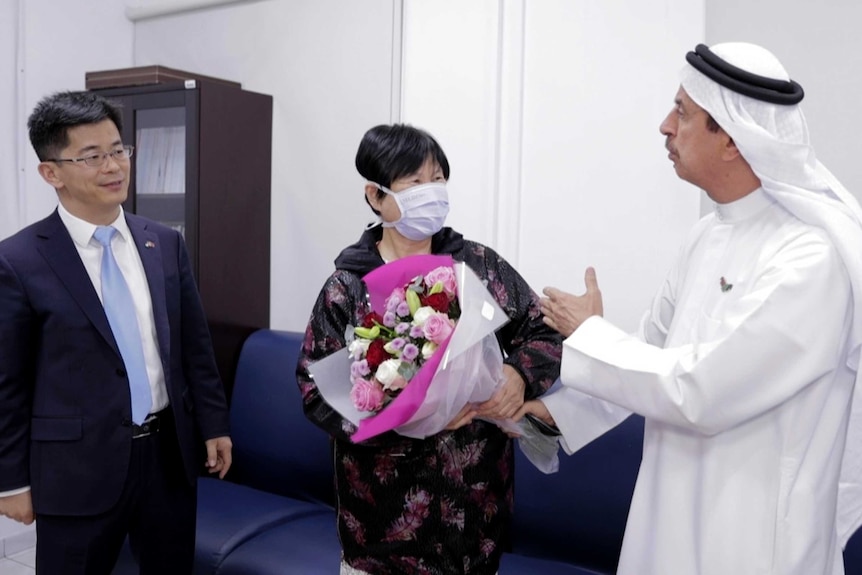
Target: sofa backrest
853 555
578 515
275 447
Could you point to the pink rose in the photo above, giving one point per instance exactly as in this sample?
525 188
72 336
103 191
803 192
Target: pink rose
437 328
366 395
444 275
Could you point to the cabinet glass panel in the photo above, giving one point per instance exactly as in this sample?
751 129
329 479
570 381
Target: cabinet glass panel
160 149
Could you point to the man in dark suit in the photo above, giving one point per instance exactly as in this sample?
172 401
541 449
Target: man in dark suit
78 452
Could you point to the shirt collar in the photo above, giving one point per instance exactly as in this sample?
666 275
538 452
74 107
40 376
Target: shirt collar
743 208
82 230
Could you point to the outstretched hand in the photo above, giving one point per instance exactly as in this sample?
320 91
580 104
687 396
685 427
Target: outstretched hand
565 312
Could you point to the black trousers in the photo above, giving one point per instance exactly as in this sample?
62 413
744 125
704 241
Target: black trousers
156 510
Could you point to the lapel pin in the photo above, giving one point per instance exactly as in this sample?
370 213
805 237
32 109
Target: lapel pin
725 287
148 244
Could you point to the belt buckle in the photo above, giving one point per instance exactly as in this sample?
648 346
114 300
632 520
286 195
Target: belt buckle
148 427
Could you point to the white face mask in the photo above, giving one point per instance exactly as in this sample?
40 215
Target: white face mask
423 210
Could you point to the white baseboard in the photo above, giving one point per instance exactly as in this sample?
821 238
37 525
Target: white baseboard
18 542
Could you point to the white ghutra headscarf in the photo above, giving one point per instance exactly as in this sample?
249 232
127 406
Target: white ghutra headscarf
750 95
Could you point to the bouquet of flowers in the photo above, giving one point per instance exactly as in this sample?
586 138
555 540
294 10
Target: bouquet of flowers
388 350
426 349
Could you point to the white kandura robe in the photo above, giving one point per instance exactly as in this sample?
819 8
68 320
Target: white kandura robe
746 396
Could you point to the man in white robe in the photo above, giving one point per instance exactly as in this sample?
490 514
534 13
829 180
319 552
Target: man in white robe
744 368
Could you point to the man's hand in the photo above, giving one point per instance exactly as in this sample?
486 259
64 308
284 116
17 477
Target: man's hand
507 400
565 312
219 455
538 409
18 507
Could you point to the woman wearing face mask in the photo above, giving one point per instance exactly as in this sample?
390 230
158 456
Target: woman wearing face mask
463 476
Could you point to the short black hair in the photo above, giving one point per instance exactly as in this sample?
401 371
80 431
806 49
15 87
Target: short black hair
52 117
389 152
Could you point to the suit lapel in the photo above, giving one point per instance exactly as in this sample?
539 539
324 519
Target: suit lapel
59 251
150 249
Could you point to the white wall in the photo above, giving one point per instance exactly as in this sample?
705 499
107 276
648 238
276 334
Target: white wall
543 142
548 110
818 43
62 40
549 113
328 65
9 117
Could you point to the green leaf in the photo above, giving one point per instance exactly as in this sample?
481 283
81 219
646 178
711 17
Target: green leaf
367 333
413 301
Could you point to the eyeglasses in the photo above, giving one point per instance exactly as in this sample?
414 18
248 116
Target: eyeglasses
96 160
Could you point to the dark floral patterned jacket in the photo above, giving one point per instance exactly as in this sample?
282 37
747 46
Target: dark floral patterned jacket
440 505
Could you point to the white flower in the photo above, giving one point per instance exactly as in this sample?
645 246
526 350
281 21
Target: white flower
387 372
358 348
428 349
422 314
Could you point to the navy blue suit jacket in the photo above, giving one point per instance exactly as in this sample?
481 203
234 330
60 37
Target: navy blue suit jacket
65 408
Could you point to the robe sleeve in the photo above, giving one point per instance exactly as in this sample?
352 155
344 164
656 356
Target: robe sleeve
782 335
581 418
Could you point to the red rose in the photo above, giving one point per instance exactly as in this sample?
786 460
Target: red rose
376 354
438 301
371 318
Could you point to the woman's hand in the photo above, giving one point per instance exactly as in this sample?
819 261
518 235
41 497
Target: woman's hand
507 400
464 417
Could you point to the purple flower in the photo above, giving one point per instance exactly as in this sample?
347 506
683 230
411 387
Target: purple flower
389 319
416 332
360 368
409 352
402 328
395 299
403 309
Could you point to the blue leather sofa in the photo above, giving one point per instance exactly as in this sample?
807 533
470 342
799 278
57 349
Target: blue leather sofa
275 514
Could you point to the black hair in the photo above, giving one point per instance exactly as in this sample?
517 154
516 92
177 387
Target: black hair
389 152
55 114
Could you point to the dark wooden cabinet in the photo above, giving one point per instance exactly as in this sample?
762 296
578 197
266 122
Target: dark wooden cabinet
203 165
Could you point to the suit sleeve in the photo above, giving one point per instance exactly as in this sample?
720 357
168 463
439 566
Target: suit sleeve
16 376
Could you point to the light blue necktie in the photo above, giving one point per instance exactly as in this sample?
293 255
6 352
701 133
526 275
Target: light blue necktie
120 309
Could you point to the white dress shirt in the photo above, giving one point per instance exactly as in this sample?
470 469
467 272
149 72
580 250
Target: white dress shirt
129 262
